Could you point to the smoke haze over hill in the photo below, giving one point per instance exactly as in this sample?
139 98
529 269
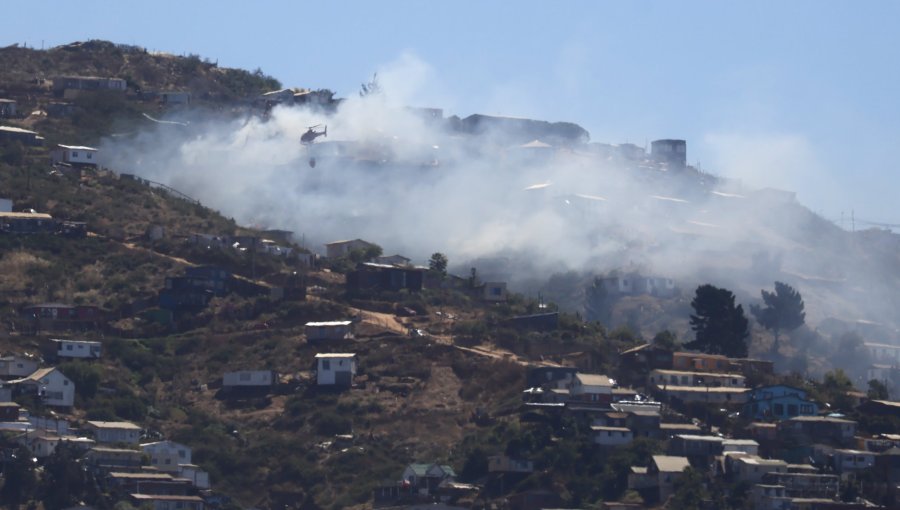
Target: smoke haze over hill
416 185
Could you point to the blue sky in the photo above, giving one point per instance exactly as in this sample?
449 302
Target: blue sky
799 95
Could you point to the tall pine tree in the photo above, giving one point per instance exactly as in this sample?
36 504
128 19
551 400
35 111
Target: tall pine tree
719 325
783 311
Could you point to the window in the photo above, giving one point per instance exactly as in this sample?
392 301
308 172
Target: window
778 409
65 382
245 376
326 364
792 409
69 347
181 454
168 461
89 155
74 154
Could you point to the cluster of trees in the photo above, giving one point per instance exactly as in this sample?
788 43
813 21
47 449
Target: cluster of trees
721 327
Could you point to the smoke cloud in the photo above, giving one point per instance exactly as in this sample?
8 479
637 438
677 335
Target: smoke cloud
519 211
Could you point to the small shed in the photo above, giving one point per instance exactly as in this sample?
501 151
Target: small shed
335 369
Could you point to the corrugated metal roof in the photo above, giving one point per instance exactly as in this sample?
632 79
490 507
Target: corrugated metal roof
670 464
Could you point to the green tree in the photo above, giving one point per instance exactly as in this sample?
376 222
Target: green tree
437 264
19 480
720 326
877 390
666 339
689 491
63 482
783 311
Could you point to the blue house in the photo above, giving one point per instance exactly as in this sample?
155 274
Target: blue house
778 402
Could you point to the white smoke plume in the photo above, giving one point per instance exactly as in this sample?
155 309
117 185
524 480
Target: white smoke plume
416 186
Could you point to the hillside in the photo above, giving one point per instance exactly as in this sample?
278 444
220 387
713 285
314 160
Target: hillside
187 304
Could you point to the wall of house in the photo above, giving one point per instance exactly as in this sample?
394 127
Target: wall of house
328 368
167 455
78 349
57 390
248 378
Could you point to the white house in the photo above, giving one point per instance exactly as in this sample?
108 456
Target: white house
249 379
885 354
197 476
51 385
114 431
6 205
611 436
75 155
335 368
853 460
42 443
77 348
751 469
175 97
7 108
167 455
747 446
591 388
343 248
14 367
666 378
333 330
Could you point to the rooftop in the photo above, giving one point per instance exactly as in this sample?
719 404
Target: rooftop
114 425
670 464
335 355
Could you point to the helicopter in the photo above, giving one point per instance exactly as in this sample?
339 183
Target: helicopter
309 137
311 134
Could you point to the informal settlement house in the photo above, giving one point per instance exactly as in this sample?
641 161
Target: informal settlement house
335 369
75 155
84 349
112 432
50 385
332 330
249 379
778 402
339 249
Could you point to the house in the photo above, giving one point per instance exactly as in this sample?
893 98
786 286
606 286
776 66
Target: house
691 445
26 223
198 477
167 502
426 477
643 358
550 377
26 137
56 316
670 430
769 497
117 458
7 108
507 464
369 276
845 461
751 468
747 446
778 402
668 470
633 284
818 429
75 155
880 408
700 362
83 349
339 249
69 86
111 432
547 321
393 260
42 443
699 387
50 385
332 330
763 431
249 379
6 205
494 291
672 153
335 369
9 412
661 379
883 354
594 388
167 455
175 97
805 485
611 436
15 367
